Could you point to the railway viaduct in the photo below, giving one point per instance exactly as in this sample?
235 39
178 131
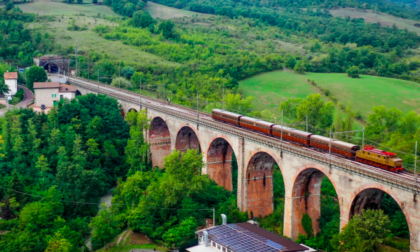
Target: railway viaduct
357 186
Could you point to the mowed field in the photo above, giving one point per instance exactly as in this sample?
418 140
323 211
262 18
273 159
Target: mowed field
165 12
384 19
270 89
48 7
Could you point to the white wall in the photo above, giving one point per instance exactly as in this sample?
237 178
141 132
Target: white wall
66 95
12 86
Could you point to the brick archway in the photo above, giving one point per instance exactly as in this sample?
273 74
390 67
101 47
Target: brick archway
259 184
365 197
160 141
186 138
306 196
219 162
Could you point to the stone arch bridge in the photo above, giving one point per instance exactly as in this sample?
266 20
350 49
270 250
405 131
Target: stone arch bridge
358 186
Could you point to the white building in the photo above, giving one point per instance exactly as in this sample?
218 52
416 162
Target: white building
50 93
10 78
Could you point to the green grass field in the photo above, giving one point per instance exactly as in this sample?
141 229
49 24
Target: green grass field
165 12
384 19
364 93
87 39
48 7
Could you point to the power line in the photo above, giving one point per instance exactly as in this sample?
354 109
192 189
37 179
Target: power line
88 203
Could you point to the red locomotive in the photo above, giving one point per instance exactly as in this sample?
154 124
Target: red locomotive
384 160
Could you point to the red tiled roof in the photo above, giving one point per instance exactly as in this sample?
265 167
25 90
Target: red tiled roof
39 85
10 75
66 88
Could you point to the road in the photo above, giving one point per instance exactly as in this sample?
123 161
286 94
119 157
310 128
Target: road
28 97
405 179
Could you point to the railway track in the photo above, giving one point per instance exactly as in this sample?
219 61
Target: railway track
404 179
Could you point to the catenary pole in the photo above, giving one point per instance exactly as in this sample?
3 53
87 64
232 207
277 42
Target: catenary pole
76 57
281 125
306 122
415 167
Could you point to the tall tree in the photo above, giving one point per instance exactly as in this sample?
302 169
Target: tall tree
364 232
35 74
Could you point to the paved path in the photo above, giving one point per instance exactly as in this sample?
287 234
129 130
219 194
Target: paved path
28 97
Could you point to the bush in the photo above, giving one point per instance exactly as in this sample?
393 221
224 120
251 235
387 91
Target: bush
353 72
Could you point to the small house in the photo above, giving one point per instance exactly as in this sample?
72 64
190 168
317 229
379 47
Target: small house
10 78
50 93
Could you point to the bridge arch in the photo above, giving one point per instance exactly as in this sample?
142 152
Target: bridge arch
160 141
306 196
78 93
187 138
132 109
219 162
371 197
259 184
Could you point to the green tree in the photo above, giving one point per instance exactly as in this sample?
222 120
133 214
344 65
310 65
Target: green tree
167 29
104 228
121 82
311 106
142 19
307 225
289 108
353 72
180 234
35 74
236 104
137 148
59 244
4 89
290 62
299 67
364 232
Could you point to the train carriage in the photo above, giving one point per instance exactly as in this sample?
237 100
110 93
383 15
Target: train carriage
337 147
292 135
226 116
255 124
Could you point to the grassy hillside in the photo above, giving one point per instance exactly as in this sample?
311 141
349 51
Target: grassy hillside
383 18
87 15
273 88
165 12
47 7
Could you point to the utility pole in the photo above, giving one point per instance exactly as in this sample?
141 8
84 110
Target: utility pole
119 74
88 71
214 217
140 94
207 106
306 122
223 96
197 107
415 167
281 126
363 137
376 8
98 81
76 57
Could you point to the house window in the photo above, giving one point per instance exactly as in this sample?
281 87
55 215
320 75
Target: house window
54 95
61 97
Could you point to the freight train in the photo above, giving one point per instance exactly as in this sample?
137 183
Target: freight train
368 155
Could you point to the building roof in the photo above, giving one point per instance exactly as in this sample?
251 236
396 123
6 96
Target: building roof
64 88
10 75
245 237
40 85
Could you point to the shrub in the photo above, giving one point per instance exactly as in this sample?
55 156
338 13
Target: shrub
353 72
